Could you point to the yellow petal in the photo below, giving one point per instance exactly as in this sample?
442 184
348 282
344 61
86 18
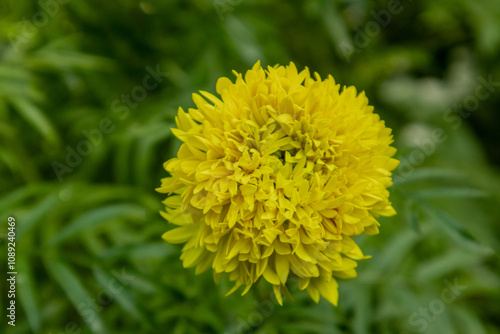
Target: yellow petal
313 292
277 293
328 290
282 267
180 234
271 276
222 84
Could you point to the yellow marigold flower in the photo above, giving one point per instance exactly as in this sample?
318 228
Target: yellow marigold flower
274 179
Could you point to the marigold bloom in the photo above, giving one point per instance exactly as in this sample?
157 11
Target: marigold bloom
275 178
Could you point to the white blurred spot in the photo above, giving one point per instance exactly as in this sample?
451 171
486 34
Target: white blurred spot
414 133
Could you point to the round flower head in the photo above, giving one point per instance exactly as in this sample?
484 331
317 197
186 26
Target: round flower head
274 179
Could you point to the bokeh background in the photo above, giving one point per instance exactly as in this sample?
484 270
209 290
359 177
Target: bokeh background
89 91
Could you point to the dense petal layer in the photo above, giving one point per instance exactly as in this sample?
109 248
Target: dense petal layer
276 177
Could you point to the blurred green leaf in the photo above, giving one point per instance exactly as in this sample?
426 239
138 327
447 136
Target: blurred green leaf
76 293
145 151
28 291
8 201
143 251
36 118
119 293
450 193
95 217
456 231
36 214
433 269
468 322
67 59
421 174
397 249
362 307
411 215
336 28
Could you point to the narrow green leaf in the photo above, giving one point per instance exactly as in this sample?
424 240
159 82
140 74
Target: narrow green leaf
144 251
27 291
104 193
336 27
76 293
36 214
468 321
300 326
411 215
456 231
158 129
363 311
145 153
421 174
96 217
244 37
20 194
442 265
450 192
396 249
119 293
36 118
122 161
51 56
139 283
10 72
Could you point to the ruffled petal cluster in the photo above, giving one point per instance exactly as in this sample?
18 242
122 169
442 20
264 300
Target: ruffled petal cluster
274 179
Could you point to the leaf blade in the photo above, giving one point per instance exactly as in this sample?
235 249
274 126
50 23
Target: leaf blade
96 217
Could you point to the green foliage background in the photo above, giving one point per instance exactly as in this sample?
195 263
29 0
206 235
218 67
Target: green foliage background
97 233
